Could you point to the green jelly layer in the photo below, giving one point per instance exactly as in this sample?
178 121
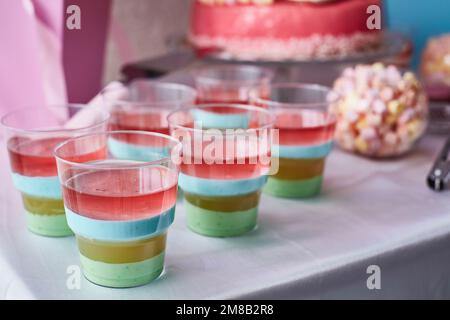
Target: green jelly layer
48 225
122 252
122 275
224 204
293 188
218 223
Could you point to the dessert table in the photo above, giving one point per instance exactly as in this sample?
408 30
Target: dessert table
369 213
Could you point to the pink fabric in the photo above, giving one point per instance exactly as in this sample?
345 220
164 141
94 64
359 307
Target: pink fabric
49 13
42 62
84 50
20 71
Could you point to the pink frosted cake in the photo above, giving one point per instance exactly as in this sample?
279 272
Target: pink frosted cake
283 30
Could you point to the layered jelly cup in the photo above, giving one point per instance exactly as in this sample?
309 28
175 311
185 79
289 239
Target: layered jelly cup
231 83
144 105
306 128
120 207
226 159
31 135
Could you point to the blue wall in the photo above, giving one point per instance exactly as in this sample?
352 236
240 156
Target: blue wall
420 19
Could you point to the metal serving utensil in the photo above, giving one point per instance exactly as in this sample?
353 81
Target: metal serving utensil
439 176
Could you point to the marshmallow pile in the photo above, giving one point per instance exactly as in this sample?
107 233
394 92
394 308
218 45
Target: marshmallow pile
380 111
435 67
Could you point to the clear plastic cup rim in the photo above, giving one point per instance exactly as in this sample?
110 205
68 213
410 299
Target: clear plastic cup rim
293 85
105 118
201 75
231 105
143 164
155 104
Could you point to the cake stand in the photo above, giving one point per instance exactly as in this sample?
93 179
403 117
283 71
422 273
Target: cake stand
395 48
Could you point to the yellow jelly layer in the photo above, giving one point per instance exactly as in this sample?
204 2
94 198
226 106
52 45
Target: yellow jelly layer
122 252
224 204
299 169
43 206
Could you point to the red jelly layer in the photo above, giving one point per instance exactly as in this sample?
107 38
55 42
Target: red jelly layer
308 128
205 161
34 157
153 122
121 194
225 171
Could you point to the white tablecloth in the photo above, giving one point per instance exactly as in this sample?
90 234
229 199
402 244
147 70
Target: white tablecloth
370 212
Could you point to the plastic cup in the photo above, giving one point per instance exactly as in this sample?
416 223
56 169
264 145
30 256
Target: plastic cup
144 105
31 135
226 159
306 128
231 83
120 208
